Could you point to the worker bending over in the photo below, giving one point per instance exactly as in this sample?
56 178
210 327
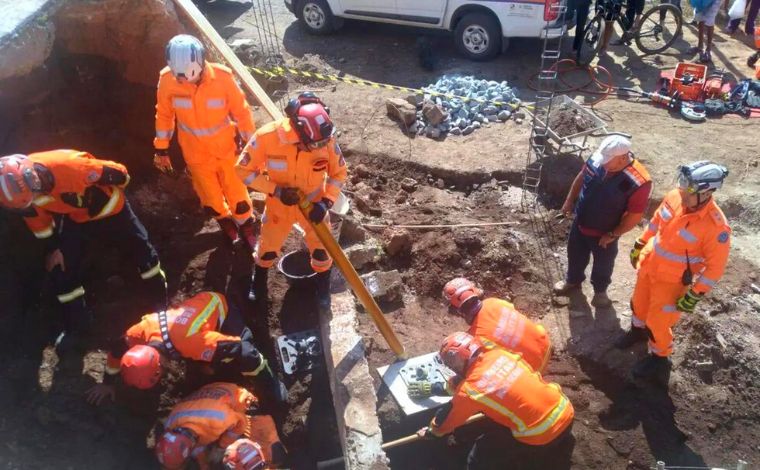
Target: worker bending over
680 257
215 420
68 198
203 328
497 322
499 384
203 97
293 158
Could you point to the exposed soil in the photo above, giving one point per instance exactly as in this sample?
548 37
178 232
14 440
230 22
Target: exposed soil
566 120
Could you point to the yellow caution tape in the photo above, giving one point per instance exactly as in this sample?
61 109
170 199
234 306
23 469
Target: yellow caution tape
282 71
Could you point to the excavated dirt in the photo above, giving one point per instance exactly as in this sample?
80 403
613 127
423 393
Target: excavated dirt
565 120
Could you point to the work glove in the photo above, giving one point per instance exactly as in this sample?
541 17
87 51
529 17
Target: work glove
162 162
688 301
319 210
288 196
419 390
636 252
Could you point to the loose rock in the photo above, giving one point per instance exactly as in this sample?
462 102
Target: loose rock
385 287
364 254
401 111
409 184
399 242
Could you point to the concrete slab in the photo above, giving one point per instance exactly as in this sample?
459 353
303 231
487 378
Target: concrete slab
397 376
26 35
352 388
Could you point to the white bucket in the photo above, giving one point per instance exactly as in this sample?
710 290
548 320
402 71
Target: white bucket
338 210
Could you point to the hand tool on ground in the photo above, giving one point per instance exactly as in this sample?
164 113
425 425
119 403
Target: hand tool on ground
323 232
398 442
689 110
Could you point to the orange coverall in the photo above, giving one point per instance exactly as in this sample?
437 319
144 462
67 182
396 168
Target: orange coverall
194 330
503 387
216 413
500 323
206 135
274 158
672 237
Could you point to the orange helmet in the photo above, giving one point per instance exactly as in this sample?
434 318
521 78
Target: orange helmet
458 349
458 290
18 181
141 367
244 454
174 448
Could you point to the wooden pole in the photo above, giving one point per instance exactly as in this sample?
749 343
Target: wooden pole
232 60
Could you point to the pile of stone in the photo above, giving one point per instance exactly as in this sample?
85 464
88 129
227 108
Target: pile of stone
471 104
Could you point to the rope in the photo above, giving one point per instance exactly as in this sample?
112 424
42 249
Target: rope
603 88
474 224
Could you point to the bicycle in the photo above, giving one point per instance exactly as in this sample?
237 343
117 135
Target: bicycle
660 27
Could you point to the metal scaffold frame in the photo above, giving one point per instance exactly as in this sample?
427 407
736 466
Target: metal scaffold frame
262 19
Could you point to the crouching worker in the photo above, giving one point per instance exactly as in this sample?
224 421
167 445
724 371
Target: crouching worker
529 411
67 199
202 328
498 322
214 421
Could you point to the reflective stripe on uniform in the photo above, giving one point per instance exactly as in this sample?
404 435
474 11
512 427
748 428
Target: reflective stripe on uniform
279 165
44 233
69 296
321 264
111 206
484 399
249 179
43 200
164 134
706 281
653 227
258 370
4 186
544 425
215 103
334 182
247 136
660 251
152 272
208 414
202 132
686 235
182 103
312 196
665 213
200 320
669 308
636 322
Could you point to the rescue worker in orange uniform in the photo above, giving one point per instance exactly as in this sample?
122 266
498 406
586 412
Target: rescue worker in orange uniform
203 97
499 384
680 257
263 450
67 197
497 322
287 159
203 328
210 420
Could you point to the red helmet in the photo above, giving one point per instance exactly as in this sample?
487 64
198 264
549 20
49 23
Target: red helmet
18 181
311 119
244 454
141 367
174 448
458 349
459 290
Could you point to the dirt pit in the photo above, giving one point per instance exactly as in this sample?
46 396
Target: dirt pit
566 120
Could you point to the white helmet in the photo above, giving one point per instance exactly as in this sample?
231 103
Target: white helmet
184 55
701 177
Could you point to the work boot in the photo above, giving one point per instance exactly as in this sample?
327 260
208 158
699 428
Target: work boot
564 288
230 228
248 234
323 290
600 300
631 337
77 322
652 366
258 289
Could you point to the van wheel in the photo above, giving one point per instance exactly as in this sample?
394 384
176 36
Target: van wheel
478 36
316 17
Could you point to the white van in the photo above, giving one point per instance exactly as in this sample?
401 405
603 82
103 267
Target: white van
480 27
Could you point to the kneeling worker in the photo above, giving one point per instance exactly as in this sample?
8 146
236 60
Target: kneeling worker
201 328
497 321
216 419
505 389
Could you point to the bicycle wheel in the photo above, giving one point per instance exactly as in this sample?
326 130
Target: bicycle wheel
660 28
592 40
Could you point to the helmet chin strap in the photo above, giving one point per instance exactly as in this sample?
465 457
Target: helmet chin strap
470 309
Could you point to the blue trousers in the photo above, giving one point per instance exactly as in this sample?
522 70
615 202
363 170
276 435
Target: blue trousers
580 247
